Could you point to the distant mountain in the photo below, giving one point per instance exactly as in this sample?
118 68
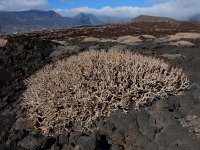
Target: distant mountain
32 20
195 18
87 19
151 18
36 20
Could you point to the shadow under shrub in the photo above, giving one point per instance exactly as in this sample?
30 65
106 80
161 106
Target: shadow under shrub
75 91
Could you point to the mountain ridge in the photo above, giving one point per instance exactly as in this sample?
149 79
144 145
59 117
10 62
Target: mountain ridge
37 20
88 19
33 20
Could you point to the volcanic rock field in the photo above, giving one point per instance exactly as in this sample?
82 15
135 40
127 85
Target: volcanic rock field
171 123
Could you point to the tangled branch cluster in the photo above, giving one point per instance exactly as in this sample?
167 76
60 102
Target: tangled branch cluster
75 91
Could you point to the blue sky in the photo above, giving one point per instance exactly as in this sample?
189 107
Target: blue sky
67 4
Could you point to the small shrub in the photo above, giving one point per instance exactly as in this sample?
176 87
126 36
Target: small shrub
76 91
3 42
129 40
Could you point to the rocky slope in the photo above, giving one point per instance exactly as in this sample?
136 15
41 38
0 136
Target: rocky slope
166 124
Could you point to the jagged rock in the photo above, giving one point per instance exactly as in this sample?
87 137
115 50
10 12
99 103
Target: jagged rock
6 122
64 138
129 40
182 43
29 142
82 141
4 78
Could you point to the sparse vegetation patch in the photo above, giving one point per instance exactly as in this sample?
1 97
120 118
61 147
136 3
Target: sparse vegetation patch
76 91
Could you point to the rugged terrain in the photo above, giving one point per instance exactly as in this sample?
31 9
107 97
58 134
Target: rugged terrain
166 124
37 20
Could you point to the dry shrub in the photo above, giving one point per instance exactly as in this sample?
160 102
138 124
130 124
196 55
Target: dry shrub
182 43
2 42
91 39
188 35
129 40
180 36
192 122
124 38
76 91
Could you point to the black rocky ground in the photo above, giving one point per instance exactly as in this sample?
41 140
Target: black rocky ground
167 124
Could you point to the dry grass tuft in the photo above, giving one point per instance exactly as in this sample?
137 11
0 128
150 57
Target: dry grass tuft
180 36
76 91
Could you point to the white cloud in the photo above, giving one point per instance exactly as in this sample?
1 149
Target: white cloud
11 5
180 9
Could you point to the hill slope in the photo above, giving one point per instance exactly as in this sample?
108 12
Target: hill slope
152 18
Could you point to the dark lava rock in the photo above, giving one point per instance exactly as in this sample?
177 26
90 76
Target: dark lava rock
4 78
167 124
64 138
37 142
5 147
6 123
82 140
29 142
